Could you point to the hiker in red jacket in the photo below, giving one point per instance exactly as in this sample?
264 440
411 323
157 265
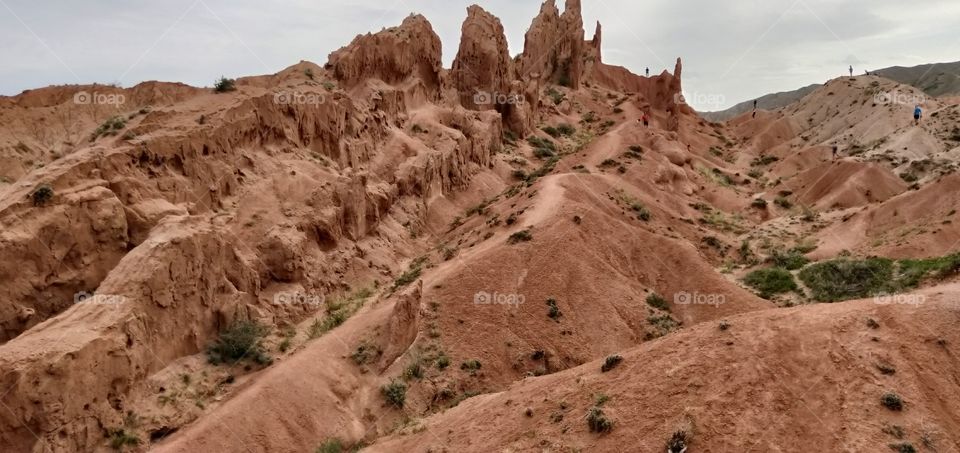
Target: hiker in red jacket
645 119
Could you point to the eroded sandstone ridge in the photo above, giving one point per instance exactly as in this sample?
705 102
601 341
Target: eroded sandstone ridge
195 209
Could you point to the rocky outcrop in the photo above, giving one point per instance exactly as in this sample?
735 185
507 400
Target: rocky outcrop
553 46
395 55
68 378
482 73
62 251
482 69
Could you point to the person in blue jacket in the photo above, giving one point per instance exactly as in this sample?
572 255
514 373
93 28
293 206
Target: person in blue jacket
917 114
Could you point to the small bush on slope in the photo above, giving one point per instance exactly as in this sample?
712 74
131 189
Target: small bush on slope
769 282
242 340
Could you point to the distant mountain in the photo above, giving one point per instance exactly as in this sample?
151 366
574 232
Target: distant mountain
937 79
767 102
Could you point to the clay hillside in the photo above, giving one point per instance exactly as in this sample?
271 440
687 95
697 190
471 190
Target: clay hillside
378 253
940 80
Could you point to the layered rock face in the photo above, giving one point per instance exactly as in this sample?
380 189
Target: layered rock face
394 55
483 73
482 70
553 46
201 207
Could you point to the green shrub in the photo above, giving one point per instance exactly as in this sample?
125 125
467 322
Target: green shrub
395 393
769 282
597 421
538 142
783 203
553 310
763 160
909 177
412 273
520 236
903 447
555 95
472 366
224 85
333 445
656 301
912 272
41 195
790 260
610 363
843 279
892 401
442 362
414 370
551 131
663 323
542 153
642 212
120 438
678 442
566 129
338 312
366 353
110 127
241 340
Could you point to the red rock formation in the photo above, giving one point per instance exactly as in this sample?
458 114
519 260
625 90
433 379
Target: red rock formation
482 72
482 68
553 46
395 55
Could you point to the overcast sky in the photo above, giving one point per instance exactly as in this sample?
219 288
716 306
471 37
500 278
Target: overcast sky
732 50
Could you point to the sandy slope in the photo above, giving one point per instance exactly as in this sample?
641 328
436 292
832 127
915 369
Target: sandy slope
773 381
475 248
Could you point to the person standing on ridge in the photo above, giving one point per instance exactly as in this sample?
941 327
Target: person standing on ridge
851 70
645 119
917 114
648 72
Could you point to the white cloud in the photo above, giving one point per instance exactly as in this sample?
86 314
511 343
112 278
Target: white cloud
762 45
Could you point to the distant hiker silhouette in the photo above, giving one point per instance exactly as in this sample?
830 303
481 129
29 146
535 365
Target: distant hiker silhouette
648 72
917 114
835 152
645 119
755 108
851 70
